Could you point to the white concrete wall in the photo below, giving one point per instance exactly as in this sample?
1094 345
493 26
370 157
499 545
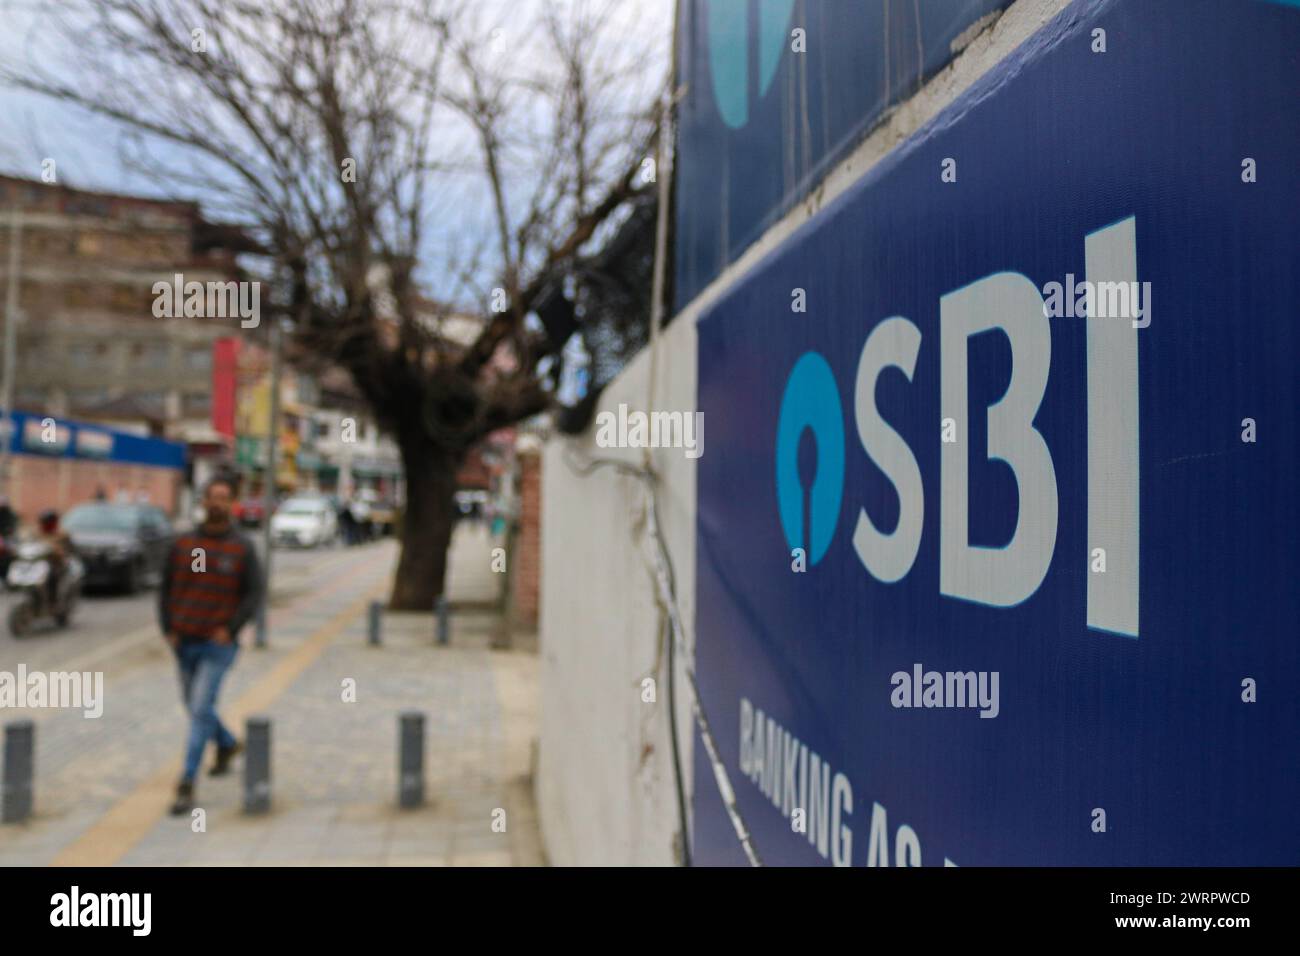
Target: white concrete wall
605 782
604 778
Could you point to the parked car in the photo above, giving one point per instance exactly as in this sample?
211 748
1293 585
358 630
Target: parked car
249 512
304 521
121 545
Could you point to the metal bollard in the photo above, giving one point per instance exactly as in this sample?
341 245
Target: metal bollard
376 610
19 770
257 765
444 621
410 760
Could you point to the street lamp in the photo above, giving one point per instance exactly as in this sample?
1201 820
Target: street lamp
278 327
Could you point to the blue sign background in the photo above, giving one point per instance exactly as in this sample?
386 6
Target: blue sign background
760 123
127 448
1056 143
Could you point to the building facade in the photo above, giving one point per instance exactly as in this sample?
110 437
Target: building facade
89 343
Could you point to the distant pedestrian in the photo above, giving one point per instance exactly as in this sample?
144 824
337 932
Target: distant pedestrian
210 590
347 526
360 509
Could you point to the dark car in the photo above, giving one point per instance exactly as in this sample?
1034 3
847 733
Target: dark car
121 545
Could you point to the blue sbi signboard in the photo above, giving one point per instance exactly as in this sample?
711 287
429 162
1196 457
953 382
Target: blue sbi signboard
36 434
777 91
998 550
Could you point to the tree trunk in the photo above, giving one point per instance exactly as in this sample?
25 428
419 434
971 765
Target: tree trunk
427 523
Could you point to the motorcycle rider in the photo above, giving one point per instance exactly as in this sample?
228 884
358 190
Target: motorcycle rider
60 547
8 518
8 525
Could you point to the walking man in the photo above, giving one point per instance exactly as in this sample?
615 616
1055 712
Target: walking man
210 590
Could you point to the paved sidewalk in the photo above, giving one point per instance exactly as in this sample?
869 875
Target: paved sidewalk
103 785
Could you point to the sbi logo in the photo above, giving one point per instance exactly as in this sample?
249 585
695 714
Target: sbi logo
1007 302
811 401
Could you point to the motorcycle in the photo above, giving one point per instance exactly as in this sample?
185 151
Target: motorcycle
29 574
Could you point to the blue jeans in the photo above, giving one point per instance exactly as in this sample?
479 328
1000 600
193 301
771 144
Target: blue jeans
203 664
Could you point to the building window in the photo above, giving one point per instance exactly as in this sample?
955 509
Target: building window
83 398
199 360
30 399
89 355
86 206
150 355
81 354
126 298
196 404
88 244
152 402
83 295
52 244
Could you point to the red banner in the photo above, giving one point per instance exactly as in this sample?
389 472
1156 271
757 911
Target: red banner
225 355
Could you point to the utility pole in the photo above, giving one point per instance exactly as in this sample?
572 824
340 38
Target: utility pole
272 449
11 346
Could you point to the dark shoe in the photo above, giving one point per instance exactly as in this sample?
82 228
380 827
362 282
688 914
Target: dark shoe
184 799
224 756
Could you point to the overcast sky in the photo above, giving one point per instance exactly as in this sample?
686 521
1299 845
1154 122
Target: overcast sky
87 149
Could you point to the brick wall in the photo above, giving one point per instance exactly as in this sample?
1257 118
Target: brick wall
60 483
527 556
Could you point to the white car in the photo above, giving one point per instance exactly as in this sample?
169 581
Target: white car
305 522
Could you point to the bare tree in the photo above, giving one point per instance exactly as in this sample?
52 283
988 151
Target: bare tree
334 131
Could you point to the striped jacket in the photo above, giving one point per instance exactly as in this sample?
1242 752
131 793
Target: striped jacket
211 581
